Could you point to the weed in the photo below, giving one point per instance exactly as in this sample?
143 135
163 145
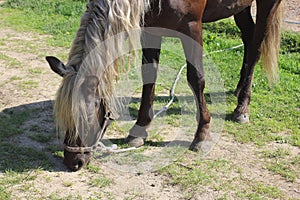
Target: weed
29 84
277 153
67 184
261 191
4 194
36 71
10 62
59 154
15 78
93 168
100 182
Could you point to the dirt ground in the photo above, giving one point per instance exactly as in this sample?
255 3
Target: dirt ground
27 58
292 15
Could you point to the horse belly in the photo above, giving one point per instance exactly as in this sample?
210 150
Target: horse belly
173 16
162 23
220 9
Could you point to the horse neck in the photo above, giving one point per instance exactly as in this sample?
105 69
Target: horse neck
94 49
93 25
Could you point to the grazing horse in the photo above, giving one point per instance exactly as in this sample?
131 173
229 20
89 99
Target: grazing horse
85 100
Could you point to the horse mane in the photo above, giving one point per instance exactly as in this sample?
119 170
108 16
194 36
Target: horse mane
99 43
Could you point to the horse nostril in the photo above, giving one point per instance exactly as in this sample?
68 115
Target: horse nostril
78 164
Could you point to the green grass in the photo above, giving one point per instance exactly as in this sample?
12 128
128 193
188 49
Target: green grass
59 18
209 174
12 179
280 162
15 78
10 62
28 84
199 173
18 163
42 137
36 71
11 122
261 191
100 182
21 159
93 168
58 154
4 194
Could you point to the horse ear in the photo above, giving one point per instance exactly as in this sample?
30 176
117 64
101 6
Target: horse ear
56 65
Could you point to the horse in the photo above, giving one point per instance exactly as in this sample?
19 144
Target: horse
84 104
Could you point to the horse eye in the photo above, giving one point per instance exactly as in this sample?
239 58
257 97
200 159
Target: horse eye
97 103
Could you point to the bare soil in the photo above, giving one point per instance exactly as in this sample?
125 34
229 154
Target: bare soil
291 13
21 86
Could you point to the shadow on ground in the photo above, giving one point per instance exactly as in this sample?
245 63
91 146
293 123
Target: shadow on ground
28 139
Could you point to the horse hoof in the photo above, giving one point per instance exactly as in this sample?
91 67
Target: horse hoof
201 146
241 118
135 141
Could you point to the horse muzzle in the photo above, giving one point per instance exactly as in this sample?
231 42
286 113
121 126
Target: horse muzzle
76 161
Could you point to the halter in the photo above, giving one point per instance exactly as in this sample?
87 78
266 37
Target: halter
97 146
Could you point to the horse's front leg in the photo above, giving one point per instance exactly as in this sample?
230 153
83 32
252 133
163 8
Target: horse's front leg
151 50
195 76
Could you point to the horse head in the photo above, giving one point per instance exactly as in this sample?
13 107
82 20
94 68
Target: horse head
82 119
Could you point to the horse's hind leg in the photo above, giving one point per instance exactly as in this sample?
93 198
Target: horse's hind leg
245 23
151 51
264 8
195 76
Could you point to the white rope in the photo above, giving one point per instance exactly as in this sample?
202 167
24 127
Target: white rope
172 91
291 22
112 149
222 50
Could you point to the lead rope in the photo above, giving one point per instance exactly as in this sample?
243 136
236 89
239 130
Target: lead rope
172 91
99 146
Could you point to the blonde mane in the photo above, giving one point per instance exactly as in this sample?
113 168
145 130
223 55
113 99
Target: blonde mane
99 43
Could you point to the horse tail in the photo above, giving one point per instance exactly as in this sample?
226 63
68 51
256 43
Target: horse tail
271 43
